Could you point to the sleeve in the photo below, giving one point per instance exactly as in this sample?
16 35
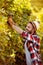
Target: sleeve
37 46
32 54
24 34
37 49
34 49
31 49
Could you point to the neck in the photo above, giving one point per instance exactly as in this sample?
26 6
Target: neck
33 33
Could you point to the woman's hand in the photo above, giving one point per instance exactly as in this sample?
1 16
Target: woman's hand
10 20
14 26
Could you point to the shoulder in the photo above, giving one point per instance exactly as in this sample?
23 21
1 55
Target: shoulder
24 34
36 38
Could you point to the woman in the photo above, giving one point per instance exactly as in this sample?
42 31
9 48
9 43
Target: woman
32 41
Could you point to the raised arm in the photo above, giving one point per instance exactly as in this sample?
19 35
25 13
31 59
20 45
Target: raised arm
14 26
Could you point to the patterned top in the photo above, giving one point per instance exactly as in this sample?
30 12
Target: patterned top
33 45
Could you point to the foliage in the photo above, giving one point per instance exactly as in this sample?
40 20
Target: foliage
11 45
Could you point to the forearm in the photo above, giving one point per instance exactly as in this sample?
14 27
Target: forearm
17 28
14 26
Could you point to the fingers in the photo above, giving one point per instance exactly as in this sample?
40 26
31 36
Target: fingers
10 21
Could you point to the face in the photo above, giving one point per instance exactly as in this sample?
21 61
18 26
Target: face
29 28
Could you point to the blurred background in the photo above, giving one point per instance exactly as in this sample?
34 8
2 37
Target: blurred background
11 44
